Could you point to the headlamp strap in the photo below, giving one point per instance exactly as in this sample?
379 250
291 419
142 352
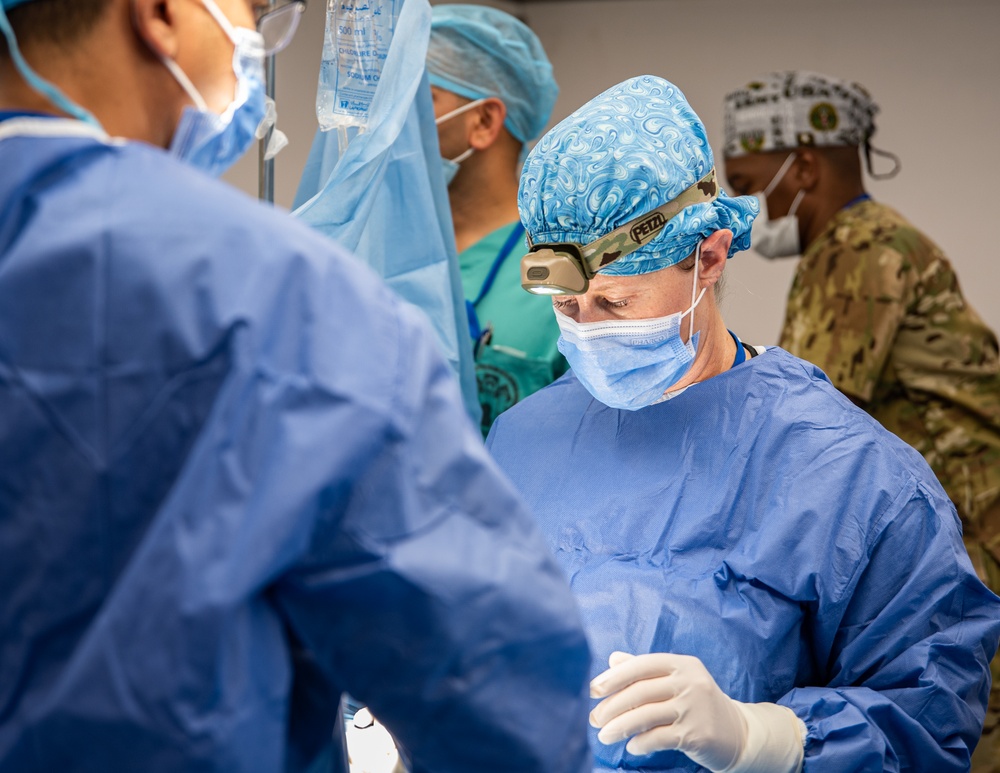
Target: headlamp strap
643 229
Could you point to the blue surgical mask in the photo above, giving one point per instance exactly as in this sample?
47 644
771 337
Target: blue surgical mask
214 142
631 363
450 166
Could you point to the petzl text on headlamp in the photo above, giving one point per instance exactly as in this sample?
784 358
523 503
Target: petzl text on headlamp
566 269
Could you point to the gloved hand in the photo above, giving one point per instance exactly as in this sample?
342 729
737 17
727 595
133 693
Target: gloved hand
664 701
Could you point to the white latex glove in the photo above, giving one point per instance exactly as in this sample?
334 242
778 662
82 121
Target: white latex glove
670 702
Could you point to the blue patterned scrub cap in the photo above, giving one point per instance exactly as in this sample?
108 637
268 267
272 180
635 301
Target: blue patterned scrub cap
626 152
476 51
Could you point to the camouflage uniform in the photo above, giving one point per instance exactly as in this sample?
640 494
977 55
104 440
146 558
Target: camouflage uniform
877 306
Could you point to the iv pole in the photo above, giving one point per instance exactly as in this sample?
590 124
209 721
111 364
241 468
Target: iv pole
265 169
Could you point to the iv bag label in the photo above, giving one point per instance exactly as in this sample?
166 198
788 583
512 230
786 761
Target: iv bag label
358 35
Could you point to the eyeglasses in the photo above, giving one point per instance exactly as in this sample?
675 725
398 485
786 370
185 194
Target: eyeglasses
566 269
277 24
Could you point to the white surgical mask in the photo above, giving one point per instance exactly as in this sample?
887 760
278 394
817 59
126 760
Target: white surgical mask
214 142
777 238
630 363
450 165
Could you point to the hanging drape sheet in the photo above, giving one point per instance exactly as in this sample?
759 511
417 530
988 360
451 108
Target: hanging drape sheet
384 198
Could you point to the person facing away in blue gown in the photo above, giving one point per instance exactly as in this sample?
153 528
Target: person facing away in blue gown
236 476
775 581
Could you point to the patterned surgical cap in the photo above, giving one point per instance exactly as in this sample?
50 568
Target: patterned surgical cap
477 51
626 152
787 110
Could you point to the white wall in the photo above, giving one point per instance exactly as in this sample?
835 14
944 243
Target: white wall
933 67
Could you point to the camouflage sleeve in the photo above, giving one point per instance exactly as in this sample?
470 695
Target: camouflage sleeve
845 307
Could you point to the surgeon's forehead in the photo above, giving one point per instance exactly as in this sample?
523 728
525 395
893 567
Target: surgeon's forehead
631 285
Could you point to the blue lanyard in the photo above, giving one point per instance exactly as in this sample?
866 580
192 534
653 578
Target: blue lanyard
479 336
741 353
742 350
514 238
857 200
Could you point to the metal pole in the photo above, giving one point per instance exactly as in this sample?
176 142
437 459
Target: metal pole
265 169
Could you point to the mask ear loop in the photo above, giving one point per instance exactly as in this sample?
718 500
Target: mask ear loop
779 175
795 203
463 156
459 111
897 165
185 83
694 291
221 20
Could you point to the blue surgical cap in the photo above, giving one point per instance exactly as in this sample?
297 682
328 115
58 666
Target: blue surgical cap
476 51
626 152
8 4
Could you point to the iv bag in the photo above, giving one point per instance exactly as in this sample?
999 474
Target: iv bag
357 39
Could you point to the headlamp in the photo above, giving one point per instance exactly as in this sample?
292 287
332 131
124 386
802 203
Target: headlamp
566 268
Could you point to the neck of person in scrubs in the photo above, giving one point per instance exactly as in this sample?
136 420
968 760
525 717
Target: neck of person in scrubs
114 71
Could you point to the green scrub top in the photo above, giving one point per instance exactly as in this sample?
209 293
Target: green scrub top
520 356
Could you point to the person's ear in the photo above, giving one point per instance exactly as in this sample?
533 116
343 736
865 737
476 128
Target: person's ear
805 170
714 253
155 23
486 123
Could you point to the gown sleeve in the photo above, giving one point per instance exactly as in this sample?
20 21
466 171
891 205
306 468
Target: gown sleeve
910 651
428 593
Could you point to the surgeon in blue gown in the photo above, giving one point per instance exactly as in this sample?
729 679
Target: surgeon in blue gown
770 581
236 477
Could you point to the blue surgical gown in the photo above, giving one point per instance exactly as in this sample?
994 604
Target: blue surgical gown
236 479
763 524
